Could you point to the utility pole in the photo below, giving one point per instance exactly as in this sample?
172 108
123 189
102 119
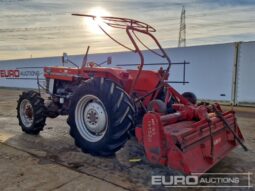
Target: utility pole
182 31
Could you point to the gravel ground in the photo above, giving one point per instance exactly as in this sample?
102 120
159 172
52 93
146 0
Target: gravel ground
54 148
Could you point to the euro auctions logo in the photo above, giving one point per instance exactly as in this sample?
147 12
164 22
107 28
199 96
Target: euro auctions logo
21 73
175 180
9 74
211 180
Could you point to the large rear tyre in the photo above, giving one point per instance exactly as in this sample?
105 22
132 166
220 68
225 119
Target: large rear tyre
100 117
31 112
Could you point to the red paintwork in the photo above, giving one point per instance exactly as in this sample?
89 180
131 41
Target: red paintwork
181 143
174 140
182 140
123 77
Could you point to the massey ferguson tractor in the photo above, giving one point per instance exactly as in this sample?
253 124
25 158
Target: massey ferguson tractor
107 105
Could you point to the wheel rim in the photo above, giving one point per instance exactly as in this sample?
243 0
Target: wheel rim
91 118
26 113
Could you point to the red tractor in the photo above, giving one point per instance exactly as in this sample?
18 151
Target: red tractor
106 105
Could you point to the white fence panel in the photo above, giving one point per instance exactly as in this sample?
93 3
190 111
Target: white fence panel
23 73
246 74
209 73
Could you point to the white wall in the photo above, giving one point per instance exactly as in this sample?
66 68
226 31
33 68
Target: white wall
209 73
246 74
28 70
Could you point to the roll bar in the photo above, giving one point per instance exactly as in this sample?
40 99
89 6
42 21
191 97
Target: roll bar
132 26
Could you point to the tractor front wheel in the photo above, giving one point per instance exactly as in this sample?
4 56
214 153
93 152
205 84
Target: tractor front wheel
100 116
31 112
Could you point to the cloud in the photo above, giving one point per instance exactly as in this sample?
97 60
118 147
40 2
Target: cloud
228 2
47 27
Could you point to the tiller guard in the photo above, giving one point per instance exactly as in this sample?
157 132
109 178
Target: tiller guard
192 140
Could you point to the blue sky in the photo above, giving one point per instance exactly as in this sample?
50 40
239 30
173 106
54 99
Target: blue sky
45 28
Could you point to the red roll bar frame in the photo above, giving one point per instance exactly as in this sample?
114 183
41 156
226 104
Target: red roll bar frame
131 25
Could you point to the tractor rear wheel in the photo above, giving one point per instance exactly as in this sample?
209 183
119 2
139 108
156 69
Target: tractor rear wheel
31 112
100 116
191 97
